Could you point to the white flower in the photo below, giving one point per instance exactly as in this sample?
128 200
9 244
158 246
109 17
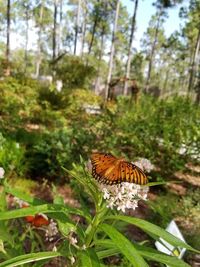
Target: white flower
182 150
51 231
72 259
144 164
84 247
72 240
123 196
20 203
2 172
160 141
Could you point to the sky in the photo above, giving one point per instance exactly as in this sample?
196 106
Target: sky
145 11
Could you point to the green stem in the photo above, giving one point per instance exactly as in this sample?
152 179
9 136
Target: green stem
91 230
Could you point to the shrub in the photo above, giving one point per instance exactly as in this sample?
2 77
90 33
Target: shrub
17 102
12 157
74 73
52 151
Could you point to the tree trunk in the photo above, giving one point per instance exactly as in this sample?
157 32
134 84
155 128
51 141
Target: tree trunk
7 69
39 49
128 64
166 81
60 29
26 41
93 32
153 51
77 26
54 29
198 90
194 65
112 50
99 62
83 27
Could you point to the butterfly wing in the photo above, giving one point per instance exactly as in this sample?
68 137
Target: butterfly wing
40 220
30 218
109 170
131 173
102 164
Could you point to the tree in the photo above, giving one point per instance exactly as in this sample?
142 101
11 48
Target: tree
193 33
7 55
54 40
112 52
77 26
128 64
97 15
159 20
25 8
84 23
43 19
60 28
161 14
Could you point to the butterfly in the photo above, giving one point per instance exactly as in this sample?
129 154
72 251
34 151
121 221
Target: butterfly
110 170
37 220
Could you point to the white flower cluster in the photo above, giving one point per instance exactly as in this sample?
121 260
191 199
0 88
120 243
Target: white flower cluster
2 172
51 231
193 150
123 196
72 240
144 164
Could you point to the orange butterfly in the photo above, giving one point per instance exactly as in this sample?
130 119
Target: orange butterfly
109 170
37 220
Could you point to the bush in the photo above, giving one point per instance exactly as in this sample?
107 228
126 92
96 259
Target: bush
12 157
17 103
52 151
74 72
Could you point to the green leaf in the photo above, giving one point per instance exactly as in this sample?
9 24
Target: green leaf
66 227
155 255
107 253
32 257
46 208
153 229
125 246
25 197
89 258
4 234
146 252
2 247
3 203
163 183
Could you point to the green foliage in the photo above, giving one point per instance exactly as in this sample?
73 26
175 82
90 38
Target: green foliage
74 72
51 151
97 238
185 209
156 130
49 97
12 156
18 100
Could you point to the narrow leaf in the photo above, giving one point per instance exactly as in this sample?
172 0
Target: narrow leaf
89 258
32 257
46 208
153 229
125 246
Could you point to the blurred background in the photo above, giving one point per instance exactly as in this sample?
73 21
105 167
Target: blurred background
107 75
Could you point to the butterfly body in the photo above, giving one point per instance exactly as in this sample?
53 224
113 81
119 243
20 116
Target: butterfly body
110 170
